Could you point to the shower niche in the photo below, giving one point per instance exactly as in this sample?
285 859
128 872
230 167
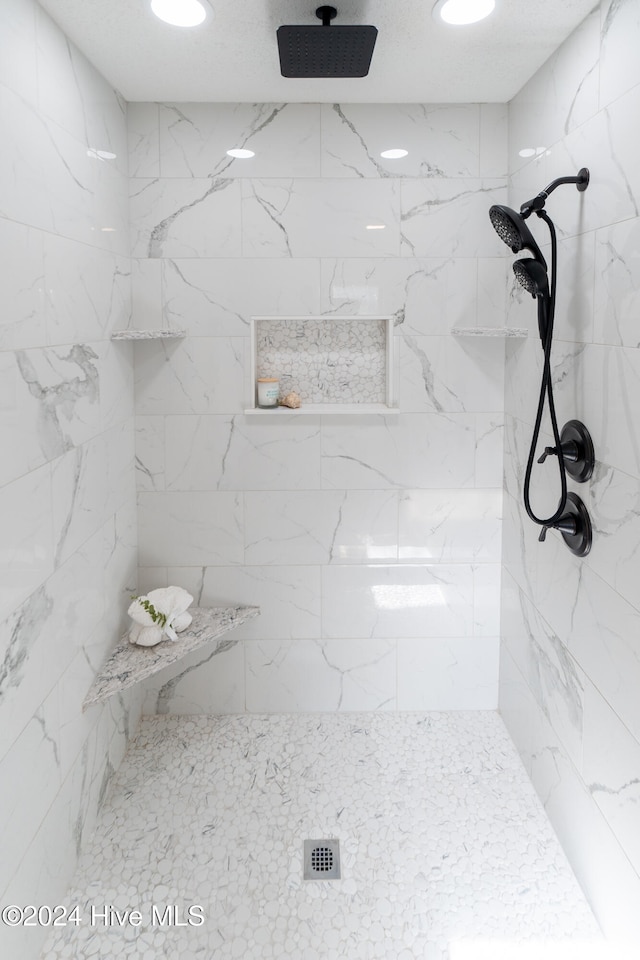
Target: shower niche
336 365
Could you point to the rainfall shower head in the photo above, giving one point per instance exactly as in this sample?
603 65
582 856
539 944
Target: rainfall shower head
513 231
326 51
531 275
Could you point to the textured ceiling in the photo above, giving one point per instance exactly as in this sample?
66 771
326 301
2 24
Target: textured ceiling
233 56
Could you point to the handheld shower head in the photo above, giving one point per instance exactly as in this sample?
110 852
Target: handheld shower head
512 229
531 275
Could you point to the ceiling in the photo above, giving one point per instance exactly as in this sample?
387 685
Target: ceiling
233 56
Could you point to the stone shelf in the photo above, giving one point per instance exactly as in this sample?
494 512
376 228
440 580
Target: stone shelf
148 334
130 664
513 333
324 410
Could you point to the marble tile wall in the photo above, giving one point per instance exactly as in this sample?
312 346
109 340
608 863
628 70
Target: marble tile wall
67 487
371 543
570 658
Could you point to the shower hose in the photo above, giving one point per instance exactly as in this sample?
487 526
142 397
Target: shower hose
546 311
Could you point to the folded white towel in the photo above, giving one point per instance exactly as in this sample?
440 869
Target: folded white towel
162 612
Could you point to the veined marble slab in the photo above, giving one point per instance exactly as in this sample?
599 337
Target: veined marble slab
515 332
130 664
148 334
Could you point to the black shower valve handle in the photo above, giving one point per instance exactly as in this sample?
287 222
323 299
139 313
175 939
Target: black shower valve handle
566 524
569 449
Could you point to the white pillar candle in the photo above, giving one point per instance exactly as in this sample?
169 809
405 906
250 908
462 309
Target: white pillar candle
268 390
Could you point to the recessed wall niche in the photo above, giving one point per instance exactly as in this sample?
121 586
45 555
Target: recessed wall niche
335 364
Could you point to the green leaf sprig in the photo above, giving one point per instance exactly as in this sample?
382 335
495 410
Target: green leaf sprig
156 615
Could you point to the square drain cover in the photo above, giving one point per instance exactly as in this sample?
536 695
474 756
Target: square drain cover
321 860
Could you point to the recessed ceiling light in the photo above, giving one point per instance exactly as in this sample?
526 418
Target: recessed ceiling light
179 13
96 154
395 154
460 12
240 153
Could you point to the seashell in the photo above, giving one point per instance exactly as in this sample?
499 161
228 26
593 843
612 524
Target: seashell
291 400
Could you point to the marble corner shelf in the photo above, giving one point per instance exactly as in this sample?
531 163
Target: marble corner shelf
510 333
130 664
148 334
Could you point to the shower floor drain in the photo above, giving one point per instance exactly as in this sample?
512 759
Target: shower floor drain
321 860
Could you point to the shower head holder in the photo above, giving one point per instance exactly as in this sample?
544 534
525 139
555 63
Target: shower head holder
581 181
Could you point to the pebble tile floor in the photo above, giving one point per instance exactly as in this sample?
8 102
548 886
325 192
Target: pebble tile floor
442 841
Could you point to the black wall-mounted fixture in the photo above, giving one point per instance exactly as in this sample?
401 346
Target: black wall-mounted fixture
574 447
326 51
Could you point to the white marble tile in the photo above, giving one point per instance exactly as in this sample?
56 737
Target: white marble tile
448 673
575 289
80 491
39 780
208 681
447 374
147 311
288 597
185 218
119 443
150 453
446 217
63 384
441 140
620 29
219 297
600 864
25 197
613 500
20 418
116 365
27 554
76 97
489 449
601 630
320 526
554 677
68 605
617 281
366 527
294 676
611 762
494 139
22 321
144 139
494 281
609 412
18 52
613 190
428 296
419 450
450 525
236 453
200 375
487 579
195 137
320 218
558 98
195 528
397 601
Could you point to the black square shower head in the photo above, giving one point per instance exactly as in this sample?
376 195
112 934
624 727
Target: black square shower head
326 51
